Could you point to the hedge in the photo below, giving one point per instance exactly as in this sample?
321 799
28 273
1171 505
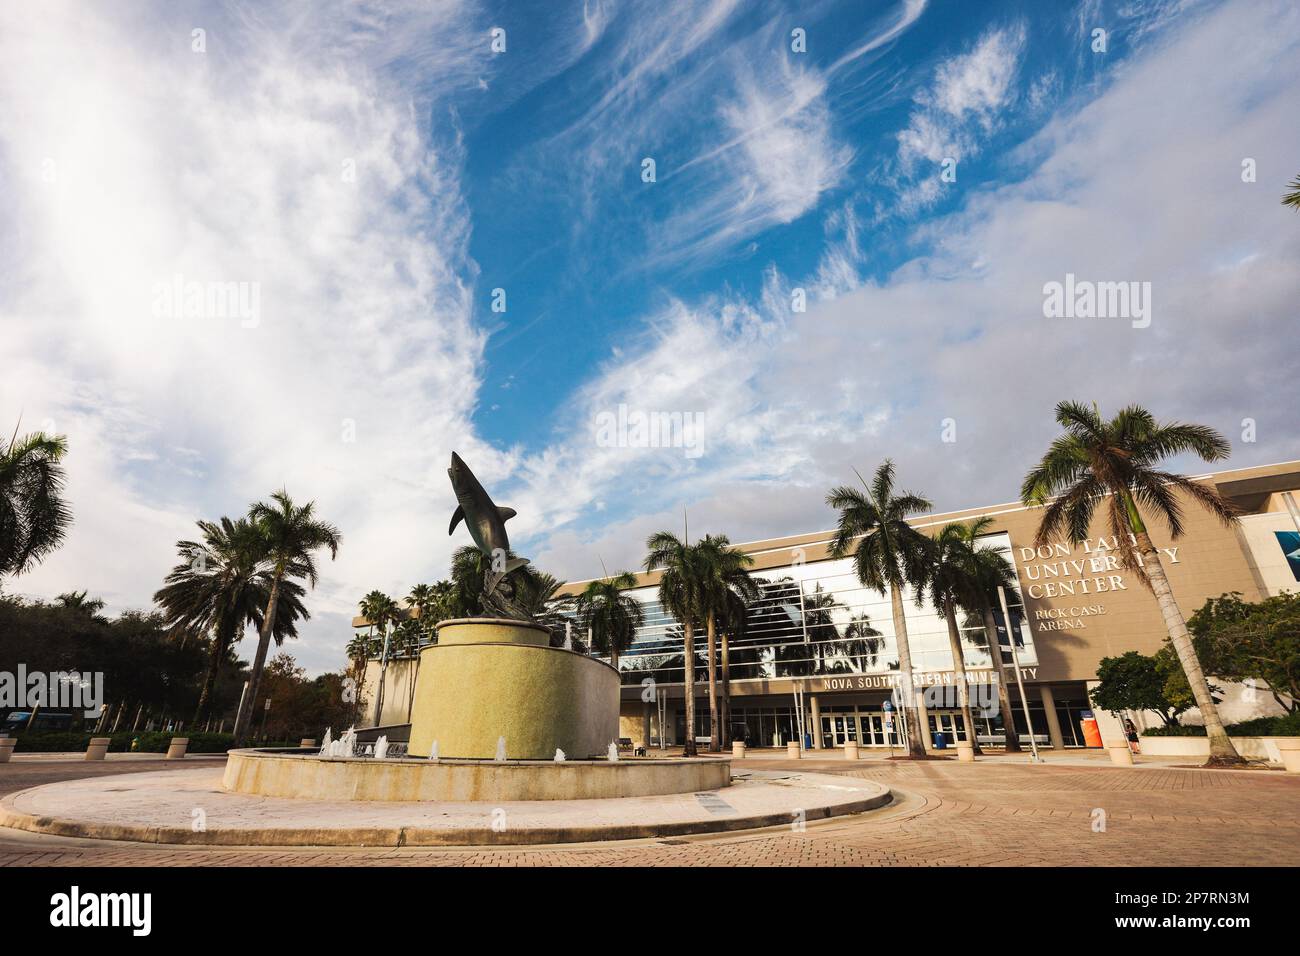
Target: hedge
1287 725
144 742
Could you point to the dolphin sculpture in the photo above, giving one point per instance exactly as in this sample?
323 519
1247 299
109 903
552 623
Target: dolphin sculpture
486 522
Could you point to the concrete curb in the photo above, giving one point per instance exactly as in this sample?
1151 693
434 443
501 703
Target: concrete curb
413 836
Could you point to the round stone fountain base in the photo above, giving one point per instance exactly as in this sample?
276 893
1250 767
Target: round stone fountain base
271 773
190 807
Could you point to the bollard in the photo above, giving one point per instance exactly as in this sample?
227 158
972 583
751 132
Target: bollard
792 750
97 748
1289 748
176 749
965 752
6 748
1120 755
850 750
307 742
738 750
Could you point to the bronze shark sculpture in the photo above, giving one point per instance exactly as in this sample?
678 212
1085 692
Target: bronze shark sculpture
487 526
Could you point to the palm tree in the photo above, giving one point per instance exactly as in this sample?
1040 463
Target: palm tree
1117 462
726 571
80 601
683 587
989 570
291 534
609 614
888 554
221 586
733 622
33 515
949 585
382 612
1292 196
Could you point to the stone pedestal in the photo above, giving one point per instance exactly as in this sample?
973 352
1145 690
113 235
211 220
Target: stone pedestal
307 742
965 752
6 748
489 679
97 748
738 749
176 749
1120 755
851 750
792 750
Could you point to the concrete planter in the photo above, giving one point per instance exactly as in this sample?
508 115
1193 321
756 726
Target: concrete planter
307 742
176 749
851 750
97 748
1289 749
965 752
6 748
792 750
1271 749
738 750
1120 755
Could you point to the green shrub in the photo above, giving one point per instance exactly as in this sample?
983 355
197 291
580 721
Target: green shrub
1284 726
1175 730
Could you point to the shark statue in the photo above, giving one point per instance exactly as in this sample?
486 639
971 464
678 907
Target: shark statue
487 526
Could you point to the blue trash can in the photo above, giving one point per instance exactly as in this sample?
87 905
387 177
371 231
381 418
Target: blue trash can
940 742
807 742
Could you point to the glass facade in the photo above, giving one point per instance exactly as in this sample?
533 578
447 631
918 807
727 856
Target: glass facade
816 620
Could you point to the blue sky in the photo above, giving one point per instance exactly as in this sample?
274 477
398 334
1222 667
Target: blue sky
376 170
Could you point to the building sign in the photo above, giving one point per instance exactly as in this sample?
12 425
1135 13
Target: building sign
891 680
1061 571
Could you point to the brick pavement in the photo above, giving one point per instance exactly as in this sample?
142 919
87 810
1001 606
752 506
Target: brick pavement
948 815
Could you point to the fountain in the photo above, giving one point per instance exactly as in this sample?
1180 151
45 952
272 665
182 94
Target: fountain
327 743
497 711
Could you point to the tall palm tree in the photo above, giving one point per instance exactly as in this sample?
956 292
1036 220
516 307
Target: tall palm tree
33 515
291 534
726 571
989 570
382 612
221 586
1118 462
887 556
733 622
609 614
949 585
683 587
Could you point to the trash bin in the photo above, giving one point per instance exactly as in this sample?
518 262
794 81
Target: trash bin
940 741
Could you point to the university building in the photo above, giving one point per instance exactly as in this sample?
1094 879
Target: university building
819 644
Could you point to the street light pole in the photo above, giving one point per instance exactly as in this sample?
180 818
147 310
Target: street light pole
1020 683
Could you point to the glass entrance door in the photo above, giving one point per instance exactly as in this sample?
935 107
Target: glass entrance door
948 723
873 731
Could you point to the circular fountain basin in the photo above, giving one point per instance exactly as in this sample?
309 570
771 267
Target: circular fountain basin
286 773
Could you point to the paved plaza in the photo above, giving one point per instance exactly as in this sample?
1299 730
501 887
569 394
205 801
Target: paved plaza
999 811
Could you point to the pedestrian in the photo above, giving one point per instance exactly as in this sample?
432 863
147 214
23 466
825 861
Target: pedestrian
1131 733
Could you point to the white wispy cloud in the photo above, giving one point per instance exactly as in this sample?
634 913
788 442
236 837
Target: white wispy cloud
960 334
281 155
957 110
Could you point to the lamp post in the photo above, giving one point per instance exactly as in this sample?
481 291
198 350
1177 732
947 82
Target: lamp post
1020 683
